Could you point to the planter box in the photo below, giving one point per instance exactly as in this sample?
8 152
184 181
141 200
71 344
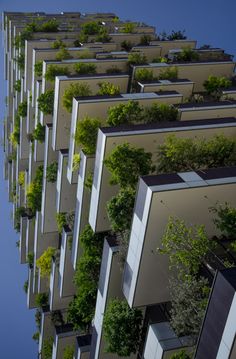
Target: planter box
30 294
66 270
23 227
64 335
188 196
83 345
184 87
24 143
47 328
148 139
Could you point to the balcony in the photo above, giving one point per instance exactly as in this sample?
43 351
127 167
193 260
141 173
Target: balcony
64 336
66 270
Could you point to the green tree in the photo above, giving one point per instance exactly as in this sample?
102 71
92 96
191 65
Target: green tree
44 261
122 328
86 134
130 112
55 70
214 85
144 75
187 55
22 109
169 73
47 348
137 58
39 133
34 192
127 163
107 88
68 352
160 113
63 54
181 355
41 300
129 27
46 102
52 172
226 219
61 221
82 68
38 68
75 90
17 85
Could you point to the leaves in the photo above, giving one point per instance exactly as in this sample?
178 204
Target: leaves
130 112
75 90
46 102
86 134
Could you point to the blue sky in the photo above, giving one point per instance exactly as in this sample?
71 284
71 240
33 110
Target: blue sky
209 22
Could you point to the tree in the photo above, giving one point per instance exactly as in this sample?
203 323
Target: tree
181 355
187 55
226 219
46 102
41 300
86 134
144 75
169 73
63 54
22 109
47 348
61 221
130 112
120 209
127 163
85 69
17 85
52 172
68 352
107 88
160 113
55 70
44 262
129 27
137 58
122 328
38 68
34 192
39 133
75 90
214 85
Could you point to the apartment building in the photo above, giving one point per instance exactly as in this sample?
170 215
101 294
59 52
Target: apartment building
120 160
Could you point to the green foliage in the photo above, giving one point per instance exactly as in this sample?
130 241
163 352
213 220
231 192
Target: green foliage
88 183
187 55
63 54
128 28
122 328
170 73
76 161
127 163
57 44
15 136
22 109
91 28
82 68
85 54
34 191
120 209
61 221
189 300
113 70
81 309
107 88
30 259
19 212
25 287
137 58
39 133
41 300
55 70
38 318
52 172
57 317
44 261
21 178
181 355
177 35
17 85
144 75
214 85
126 45
20 39
130 112
103 35
186 246
21 61
145 40
68 352
75 90
184 154
226 219
160 59
160 113
47 348
38 68
86 134
46 102
49 26
36 337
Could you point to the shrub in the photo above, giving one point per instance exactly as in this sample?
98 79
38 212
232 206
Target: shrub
120 209
180 355
54 70
103 35
130 112
226 219
38 318
160 113
63 54
129 27
25 287
160 59
88 183
38 68
145 40
170 73
144 75
41 300
17 85
113 70
85 54
85 69
76 161
179 154
81 309
36 337
19 212
75 90
107 88
19 41
15 136
57 317
68 352
39 133
127 163
30 259
52 172
61 221
22 109
177 35
187 55
34 191
126 45
122 328
49 26
57 44
46 102
86 134
91 28
137 58
21 178
214 85
20 60
47 348
44 262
